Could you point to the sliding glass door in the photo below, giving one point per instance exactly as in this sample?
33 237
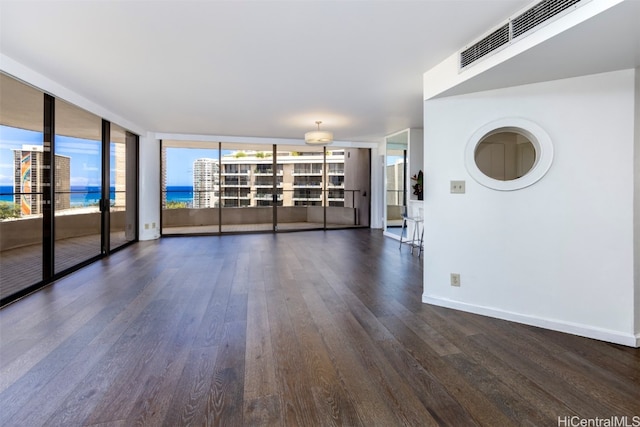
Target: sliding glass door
21 155
78 186
55 206
123 187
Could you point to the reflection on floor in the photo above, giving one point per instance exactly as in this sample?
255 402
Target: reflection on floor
22 267
397 231
235 228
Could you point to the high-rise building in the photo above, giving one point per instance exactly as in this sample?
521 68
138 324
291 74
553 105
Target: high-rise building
28 180
163 168
205 183
247 180
119 175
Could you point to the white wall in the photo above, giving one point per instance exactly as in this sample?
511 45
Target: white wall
149 173
377 186
560 253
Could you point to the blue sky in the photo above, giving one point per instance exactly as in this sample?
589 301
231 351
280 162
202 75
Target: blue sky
180 163
11 138
85 155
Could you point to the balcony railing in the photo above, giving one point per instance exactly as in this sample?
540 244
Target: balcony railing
235 184
268 196
313 184
266 185
209 199
308 172
310 198
258 172
236 173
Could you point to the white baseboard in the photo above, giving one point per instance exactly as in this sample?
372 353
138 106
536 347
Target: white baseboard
556 325
150 234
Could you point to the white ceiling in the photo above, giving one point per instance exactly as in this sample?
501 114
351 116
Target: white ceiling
240 68
608 41
259 68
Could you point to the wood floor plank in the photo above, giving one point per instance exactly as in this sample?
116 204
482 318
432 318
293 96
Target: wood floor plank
464 392
260 375
624 361
431 337
108 391
189 398
525 360
298 407
334 405
152 404
224 402
85 361
309 328
350 373
398 395
263 411
442 407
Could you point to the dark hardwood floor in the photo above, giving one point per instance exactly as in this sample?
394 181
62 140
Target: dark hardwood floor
298 329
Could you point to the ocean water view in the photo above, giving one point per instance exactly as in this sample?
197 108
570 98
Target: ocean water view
89 196
178 193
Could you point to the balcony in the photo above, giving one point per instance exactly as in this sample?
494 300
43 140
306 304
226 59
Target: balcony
304 172
266 185
313 184
235 185
307 199
258 172
236 173
267 196
236 196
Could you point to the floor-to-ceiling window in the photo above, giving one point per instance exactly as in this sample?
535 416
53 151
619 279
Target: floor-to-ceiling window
303 187
190 187
246 188
21 155
123 186
55 205
78 189
249 187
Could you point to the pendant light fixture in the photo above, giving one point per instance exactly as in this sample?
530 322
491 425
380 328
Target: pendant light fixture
318 137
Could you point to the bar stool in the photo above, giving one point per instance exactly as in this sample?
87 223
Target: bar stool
417 234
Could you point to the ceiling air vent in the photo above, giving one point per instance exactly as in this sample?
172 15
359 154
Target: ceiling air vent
539 13
515 27
488 44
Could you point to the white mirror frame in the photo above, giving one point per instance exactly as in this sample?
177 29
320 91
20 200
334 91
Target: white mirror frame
538 137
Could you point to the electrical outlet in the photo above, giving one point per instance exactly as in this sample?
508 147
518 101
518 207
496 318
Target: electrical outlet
146 226
457 187
455 279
